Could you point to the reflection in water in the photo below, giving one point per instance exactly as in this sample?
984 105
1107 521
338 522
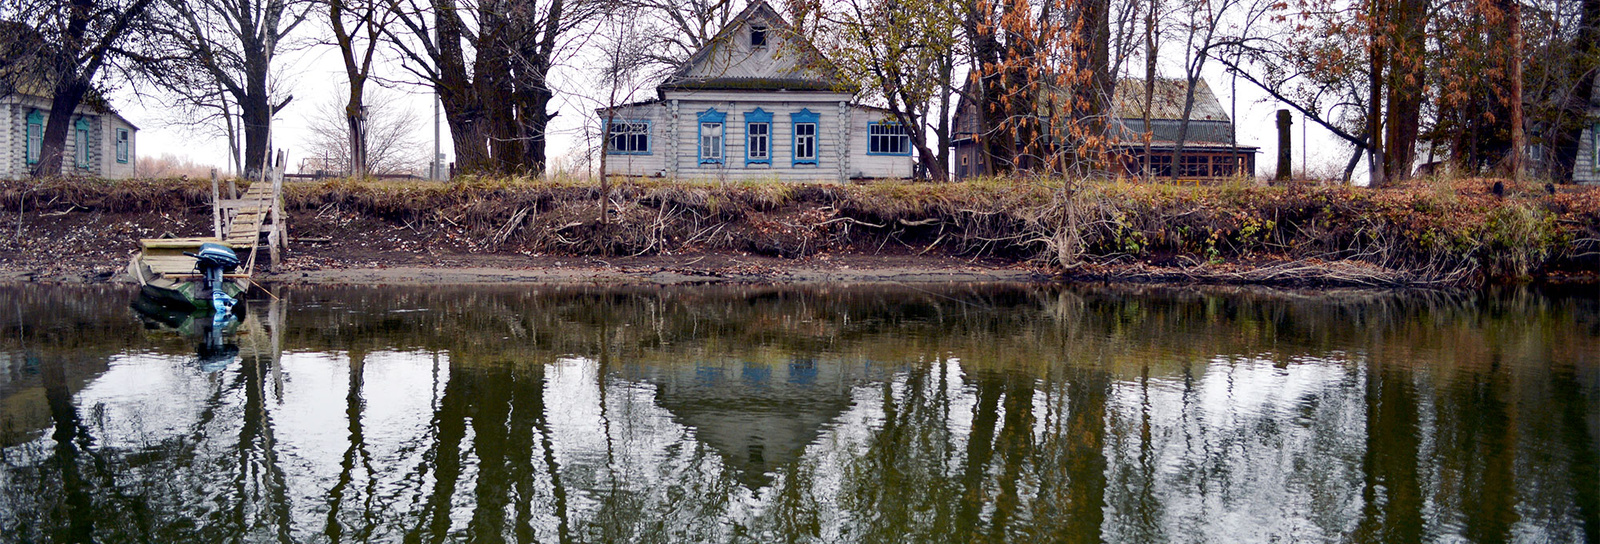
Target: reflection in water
743 414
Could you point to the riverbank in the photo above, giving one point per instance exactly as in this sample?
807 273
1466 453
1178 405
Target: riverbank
1433 233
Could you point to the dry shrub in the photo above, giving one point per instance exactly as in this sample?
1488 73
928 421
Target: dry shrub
1428 232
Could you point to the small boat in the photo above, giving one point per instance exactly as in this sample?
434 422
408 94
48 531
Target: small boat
179 273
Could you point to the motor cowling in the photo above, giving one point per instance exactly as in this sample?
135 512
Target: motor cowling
216 256
213 260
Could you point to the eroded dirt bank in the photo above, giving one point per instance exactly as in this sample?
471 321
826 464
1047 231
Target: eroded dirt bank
497 231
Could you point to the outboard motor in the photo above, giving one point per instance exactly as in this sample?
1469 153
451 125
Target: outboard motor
213 261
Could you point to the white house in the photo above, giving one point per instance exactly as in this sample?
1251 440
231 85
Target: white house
100 143
758 102
1587 168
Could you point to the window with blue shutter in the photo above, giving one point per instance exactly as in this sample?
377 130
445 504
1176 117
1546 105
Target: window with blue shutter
122 145
804 136
35 137
710 135
81 142
758 137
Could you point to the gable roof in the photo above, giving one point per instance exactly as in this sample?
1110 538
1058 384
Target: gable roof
728 62
1167 102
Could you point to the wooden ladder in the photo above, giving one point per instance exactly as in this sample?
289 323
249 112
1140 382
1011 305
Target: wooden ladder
242 221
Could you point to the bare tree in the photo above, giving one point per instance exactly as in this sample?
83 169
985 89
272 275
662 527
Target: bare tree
357 28
1205 25
673 30
392 137
229 47
490 63
904 52
63 45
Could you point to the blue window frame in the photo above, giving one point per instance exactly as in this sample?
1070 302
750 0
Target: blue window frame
1594 133
81 142
35 137
803 142
888 138
710 135
758 137
123 143
628 137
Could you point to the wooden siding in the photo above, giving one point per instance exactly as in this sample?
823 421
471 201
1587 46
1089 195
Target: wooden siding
841 147
1586 170
102 147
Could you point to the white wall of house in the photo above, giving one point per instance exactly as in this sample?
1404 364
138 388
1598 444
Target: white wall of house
1587 167
96 156
842 143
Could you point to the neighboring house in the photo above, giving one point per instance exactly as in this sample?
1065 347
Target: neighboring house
758 102
100 143
1209 149
1587 168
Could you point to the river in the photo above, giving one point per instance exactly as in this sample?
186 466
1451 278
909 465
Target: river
961 413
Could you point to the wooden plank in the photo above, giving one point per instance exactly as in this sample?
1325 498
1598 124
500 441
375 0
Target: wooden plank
175 243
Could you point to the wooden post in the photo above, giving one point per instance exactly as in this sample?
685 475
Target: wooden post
216 206
276 237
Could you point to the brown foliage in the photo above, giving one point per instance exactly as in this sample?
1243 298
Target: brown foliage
1456 233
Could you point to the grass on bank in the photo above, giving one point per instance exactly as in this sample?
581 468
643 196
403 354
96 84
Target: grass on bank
1426 231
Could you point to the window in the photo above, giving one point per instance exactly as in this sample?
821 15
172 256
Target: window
710 142
758 36
1594 132
81 142
630 137
888 139
758 137
804 146
1160 165
35 137
122 145
1192 166
711 132
805 142
1222 167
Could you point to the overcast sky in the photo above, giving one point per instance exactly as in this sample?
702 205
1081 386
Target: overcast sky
315 76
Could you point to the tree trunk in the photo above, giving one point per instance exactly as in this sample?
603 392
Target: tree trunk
1377 16
1407 70
68 93
1150 84
1519 134
355 121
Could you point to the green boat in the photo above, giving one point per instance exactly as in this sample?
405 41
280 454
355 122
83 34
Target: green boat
166 271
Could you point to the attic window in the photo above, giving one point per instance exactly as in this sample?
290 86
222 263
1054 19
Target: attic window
758 36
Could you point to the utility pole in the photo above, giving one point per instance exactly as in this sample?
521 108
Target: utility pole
434 173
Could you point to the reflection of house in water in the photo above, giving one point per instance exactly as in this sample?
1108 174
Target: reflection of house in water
758 416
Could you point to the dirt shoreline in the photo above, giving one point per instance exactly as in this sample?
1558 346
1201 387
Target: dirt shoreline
586 270
1455 234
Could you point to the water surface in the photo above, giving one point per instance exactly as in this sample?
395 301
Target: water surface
823 414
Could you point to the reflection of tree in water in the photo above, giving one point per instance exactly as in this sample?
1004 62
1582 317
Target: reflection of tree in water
1008 415
515 466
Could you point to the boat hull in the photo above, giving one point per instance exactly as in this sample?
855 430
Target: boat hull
179 294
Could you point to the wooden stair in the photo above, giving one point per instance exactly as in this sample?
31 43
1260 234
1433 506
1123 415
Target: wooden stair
247 220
